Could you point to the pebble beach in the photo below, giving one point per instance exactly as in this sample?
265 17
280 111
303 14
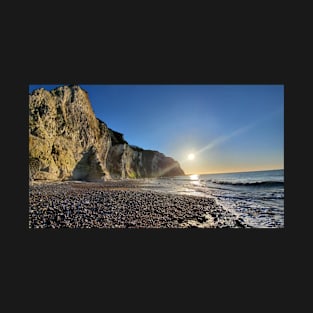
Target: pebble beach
121 204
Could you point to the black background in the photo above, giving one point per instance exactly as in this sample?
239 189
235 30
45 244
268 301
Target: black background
154 269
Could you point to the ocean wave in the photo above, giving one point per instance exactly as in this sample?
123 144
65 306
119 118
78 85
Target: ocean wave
260 183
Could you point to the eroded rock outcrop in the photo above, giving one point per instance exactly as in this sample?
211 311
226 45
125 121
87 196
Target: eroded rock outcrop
67 141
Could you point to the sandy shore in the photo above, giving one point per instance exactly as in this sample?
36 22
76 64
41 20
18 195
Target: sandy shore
120 204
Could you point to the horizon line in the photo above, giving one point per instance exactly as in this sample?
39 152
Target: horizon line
206 173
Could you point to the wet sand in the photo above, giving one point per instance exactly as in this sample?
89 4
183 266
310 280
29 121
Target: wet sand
120 204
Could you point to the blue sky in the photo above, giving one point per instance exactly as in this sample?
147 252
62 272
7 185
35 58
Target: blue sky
228 128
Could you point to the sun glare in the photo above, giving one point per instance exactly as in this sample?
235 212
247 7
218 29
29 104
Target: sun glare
191 156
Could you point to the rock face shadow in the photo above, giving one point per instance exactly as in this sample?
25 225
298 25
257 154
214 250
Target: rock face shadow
89 167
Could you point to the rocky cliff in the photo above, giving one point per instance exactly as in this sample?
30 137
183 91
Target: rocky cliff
67 141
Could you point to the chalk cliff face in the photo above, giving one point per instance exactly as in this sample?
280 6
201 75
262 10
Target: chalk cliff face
67 141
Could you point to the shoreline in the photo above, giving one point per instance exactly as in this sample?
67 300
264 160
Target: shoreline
121 204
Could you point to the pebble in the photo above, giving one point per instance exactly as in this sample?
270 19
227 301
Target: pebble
120 204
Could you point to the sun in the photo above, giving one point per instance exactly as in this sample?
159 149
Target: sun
191 156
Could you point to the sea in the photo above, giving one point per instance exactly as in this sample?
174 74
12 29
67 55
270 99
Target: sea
256 197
